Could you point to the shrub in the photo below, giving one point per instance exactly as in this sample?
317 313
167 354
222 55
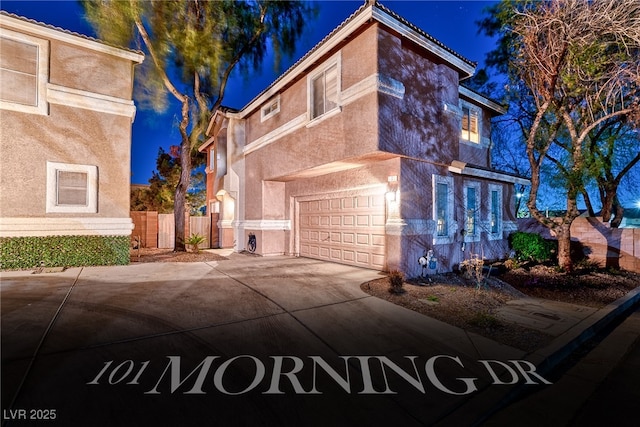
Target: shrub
194 240
472 269
63 251
530 246
396 281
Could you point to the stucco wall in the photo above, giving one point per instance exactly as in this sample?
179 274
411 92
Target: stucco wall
66 135
81 68
84 118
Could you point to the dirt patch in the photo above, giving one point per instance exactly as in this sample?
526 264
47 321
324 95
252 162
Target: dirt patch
167 255
459 302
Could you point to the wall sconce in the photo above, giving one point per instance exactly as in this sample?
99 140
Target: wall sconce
392 188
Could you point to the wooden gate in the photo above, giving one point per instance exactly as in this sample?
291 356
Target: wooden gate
201 225
166 231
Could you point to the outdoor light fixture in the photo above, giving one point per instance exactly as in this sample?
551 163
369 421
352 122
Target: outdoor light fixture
392 188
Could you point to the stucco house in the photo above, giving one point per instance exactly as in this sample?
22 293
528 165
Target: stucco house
66 112
367 151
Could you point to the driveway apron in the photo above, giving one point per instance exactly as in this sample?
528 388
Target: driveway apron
274 341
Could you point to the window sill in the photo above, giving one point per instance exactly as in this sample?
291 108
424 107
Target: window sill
325 116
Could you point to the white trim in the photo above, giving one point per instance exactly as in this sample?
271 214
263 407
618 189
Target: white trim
366 86
475 237
461 168
478 111
42 74
335 60
52 188
77 40
293 73
277 133
485 102
90 101
65 226
331 113
267 116
264 224
452 225
500 215
410 226
422 41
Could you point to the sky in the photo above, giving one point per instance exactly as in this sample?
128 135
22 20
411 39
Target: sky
451 22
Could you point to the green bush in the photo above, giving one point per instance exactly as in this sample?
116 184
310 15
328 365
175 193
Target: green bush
63 251
530 246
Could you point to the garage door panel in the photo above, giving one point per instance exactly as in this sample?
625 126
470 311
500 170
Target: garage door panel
349 230
377 240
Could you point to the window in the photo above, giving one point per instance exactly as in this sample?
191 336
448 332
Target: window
472 225
495 212
470 123
470 211
23 73
72 188
270 109
324 91
442 208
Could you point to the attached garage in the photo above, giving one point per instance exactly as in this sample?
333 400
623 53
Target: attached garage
348 230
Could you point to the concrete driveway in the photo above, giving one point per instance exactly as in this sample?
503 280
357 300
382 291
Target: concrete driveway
275 341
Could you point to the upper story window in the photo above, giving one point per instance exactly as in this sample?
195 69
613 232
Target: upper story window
23 73
470 123
324 90
270 109
72 188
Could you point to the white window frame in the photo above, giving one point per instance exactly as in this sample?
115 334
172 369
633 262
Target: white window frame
472 109
451 226
266 112
497 234
42 74
52 205
475 236
334 61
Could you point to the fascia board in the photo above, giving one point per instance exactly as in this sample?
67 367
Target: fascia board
423 42
322 50
59 34
484 101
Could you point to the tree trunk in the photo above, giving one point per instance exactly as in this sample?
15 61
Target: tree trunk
618 213
563 233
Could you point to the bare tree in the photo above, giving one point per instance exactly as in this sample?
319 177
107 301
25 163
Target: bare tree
579 59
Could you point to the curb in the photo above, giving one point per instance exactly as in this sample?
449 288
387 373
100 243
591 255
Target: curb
479 409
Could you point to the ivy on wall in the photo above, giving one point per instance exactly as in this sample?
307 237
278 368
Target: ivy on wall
63 251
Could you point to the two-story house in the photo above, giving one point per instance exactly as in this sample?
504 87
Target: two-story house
367 151
66 112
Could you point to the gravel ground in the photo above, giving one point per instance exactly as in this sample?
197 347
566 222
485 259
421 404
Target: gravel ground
167 255
458 301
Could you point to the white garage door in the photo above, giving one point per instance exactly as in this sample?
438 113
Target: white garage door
348 230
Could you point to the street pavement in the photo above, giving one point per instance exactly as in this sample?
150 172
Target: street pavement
273 341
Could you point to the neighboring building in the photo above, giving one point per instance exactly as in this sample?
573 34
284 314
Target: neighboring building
66 111
367 151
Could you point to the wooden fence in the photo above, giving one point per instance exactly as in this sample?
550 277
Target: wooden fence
158 230
610 247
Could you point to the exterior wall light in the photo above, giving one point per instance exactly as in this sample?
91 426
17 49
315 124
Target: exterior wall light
392 188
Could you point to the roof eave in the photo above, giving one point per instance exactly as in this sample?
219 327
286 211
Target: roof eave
359 18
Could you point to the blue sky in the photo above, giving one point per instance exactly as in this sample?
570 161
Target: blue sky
451 22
